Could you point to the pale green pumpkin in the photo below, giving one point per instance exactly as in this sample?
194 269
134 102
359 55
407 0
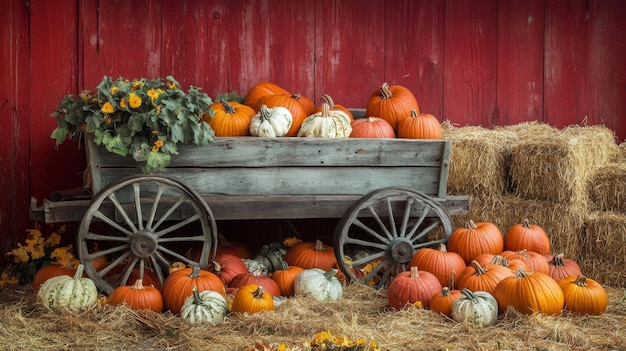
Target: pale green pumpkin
478 307
204 307
318 284
72 293
326 124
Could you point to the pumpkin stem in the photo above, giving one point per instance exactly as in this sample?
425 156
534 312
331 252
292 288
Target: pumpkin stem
195 272
325 110
468 293
452 280
581 280
520 273
445 291
480 270
499 260
217 267
196 296
284 265
471 225
330 274
557 260
79 271
227 107
442 247
264 112
319 245
525 223
327 99
414 272
138 284
259 292
413 113
385 92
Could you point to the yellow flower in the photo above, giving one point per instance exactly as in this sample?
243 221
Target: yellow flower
137 85
64 256
134 100
53 240
171 85
107 108
157 145
289 242
114 90
19 254
6 280
123 103
154 93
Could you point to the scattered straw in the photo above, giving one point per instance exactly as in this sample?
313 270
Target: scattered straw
363 313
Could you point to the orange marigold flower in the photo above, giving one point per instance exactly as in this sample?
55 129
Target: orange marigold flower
134 100
158 143
107 108
123 103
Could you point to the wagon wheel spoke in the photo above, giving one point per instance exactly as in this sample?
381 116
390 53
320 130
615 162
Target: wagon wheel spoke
144 221
385 228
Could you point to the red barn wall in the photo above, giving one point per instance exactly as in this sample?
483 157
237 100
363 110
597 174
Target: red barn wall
472 62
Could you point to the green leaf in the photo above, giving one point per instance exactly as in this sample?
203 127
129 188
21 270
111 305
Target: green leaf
59 134
158 160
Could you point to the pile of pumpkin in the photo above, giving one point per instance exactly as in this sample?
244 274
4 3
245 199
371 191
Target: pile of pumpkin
269 110
482 273
231 282
479 274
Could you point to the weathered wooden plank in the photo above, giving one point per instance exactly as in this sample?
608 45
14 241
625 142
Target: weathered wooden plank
293 180
293 152
470 59
520 61
414 41
241 207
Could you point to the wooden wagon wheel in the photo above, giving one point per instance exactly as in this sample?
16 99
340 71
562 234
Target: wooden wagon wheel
141 222
379 234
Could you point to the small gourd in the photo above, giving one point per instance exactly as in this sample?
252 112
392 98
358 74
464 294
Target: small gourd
478 307
72 293
271 122
318 284
326 124
204 307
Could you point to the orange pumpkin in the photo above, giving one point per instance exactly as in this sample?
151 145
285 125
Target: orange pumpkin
419 126
392 103
561 267
258 278
476 239
534 261
308 255
49 271
442 302
530 292
583 295
230 119
137 297
179 285
371 127
483 278
226 267
261 89
411 287
251 299
440 262
527 236
285 278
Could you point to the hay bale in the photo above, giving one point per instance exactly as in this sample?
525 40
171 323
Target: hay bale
555 166
607 188
478 160
562 222
621 157
604 248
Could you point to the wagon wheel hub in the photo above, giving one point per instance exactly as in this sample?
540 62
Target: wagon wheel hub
143 244
401 250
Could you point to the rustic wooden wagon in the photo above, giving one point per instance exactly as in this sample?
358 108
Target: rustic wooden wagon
389 196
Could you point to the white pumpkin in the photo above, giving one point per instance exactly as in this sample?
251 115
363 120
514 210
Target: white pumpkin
318 284
326 124
72 293
479 307
271 122
204 307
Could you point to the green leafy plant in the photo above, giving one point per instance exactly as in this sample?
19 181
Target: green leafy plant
142 118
